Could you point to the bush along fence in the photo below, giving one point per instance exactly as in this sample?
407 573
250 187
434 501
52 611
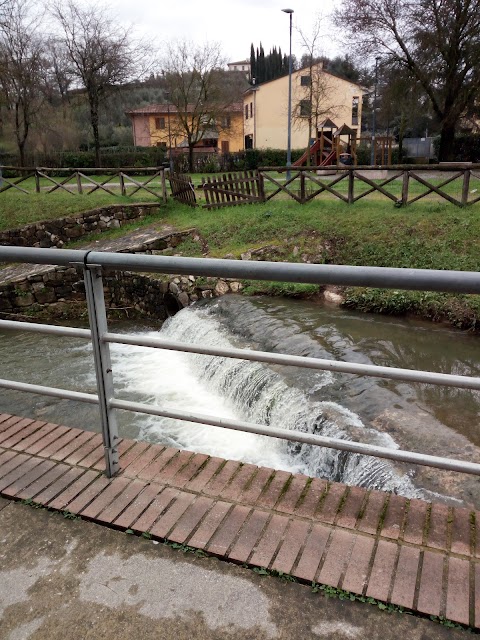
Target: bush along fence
85 181
402 184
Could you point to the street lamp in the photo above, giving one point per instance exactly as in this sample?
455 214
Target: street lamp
289 135
374 111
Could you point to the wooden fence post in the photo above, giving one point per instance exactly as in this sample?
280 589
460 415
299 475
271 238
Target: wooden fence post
37 181
466 187
303 198
406 178
164 186
121 177
79 182
261 186
351 185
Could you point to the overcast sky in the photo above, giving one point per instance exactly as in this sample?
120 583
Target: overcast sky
233 23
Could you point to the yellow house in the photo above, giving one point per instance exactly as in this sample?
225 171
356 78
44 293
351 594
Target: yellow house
317 96
161 125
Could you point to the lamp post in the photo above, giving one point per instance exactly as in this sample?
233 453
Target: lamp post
289 129
374 111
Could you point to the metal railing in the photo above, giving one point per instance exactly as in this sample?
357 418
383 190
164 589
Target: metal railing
92 263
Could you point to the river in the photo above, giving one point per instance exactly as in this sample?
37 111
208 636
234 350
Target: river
423 418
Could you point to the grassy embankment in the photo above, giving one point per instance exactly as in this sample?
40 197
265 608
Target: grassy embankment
428 235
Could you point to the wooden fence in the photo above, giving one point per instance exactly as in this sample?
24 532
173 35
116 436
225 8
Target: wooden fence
82 181
182 189
230 189
398 183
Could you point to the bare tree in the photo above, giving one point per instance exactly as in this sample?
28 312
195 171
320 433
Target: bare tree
22 59
436 41
102 54
313 98
200 91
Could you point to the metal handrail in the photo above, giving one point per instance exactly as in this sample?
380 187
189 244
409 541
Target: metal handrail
92 262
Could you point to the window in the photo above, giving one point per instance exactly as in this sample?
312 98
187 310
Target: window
246 112
226 122
305 108
159 123
305 81
251 109
355 101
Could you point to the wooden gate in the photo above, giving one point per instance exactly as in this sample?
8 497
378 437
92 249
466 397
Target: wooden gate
243 187
182 189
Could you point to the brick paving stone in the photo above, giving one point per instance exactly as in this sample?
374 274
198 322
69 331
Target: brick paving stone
89 494
269 541
156 465
189 471
332 502
26 479
95 444
131 453
112 490
406 577
27 427
438 527
158 505
93 459
12 426
458 590
431 581
251 493
370 519
394 517
42 483
462 541
205 474
234 489
168 520
249 535
60 442
226 533
8 462
24 445
477 597
190 519
134 468
209 525
176 464
69 494
295 537
415 522
27 465
358 567
221 479
336 558
382 570
290 498
274 490
44 496
17 442
312 552
64 452
36 448
4 416
351 508
119 504
137 507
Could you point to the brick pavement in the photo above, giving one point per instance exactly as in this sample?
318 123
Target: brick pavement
419 555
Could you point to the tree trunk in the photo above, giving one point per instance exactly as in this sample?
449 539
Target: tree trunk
447 138
94 123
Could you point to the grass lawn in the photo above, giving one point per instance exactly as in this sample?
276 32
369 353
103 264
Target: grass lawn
427 235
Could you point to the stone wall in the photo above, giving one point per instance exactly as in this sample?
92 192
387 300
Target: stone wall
57 232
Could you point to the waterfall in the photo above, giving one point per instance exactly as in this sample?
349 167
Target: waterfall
256 392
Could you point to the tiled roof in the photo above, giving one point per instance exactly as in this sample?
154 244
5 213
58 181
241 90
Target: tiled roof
163 108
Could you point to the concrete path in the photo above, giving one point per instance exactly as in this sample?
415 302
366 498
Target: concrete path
63 579
421 556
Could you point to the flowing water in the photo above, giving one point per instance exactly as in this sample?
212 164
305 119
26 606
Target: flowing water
418 417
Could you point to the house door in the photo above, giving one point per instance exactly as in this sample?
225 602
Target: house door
225 146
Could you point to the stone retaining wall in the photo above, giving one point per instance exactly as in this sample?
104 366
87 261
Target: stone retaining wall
57 232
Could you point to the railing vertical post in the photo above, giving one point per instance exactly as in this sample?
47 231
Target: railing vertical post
406 178
351 185
103 367
466 187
